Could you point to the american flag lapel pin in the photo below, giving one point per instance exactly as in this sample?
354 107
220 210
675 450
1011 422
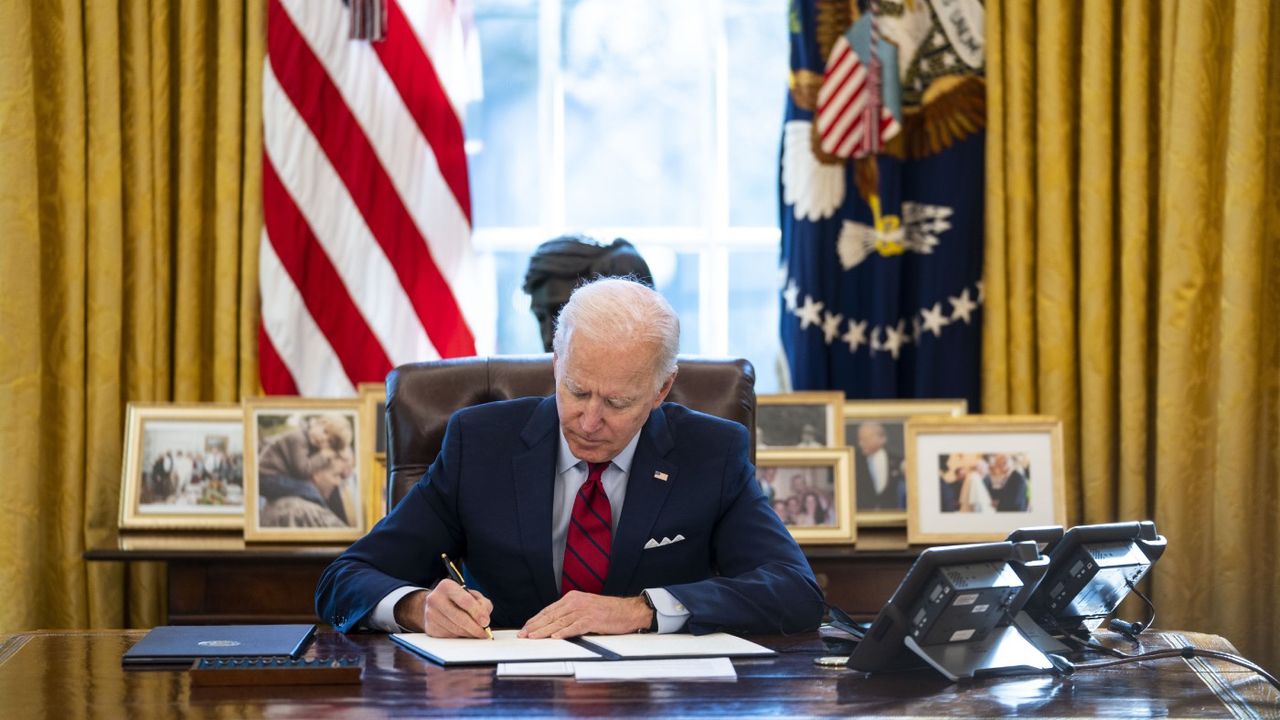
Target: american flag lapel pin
660 475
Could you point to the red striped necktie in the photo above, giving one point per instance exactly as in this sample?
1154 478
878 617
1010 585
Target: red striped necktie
590 537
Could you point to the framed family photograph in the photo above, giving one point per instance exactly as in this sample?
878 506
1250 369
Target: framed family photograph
800 419
874 429
183 467
304 480
977 478
811 490
373 401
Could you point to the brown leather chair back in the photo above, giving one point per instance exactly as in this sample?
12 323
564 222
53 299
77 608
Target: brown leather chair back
422 396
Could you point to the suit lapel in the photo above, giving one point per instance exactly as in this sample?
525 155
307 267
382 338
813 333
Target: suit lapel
534 471
646 494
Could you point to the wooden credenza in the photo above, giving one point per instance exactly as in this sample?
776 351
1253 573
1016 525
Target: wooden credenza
219 579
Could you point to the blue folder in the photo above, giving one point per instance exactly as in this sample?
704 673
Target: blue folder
182 644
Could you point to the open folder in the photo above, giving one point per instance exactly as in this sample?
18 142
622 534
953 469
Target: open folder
506 647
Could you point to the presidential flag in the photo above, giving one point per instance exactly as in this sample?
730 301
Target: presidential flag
365 256
881 190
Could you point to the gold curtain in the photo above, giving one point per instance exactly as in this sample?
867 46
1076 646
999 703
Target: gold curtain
1133 279
130 213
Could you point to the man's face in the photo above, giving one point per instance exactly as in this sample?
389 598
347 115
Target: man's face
1000 465
604 393
870 437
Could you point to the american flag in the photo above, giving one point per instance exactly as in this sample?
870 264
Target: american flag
848 103
365 255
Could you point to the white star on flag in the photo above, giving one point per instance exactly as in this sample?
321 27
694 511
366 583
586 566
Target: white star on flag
810 314
856 336
894 338
789 295
934 320
831 325
962 306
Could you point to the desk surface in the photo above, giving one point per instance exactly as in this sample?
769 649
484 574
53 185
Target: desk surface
78 674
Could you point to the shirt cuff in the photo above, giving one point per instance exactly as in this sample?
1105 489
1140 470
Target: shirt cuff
383 616
672 614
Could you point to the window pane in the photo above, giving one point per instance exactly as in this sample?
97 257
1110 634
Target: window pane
757 40
518 332
675 276
753 313
637 97
504 170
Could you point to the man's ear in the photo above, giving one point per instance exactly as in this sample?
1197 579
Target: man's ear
666 388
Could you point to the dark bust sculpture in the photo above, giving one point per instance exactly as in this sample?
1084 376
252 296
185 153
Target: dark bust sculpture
560 265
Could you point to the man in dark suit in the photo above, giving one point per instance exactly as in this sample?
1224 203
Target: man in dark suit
881 485
598 510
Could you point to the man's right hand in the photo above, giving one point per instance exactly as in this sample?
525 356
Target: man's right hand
446 611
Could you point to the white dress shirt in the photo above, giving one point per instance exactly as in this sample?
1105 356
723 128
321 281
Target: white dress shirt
878 464
571 475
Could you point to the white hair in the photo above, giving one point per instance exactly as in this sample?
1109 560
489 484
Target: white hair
619 310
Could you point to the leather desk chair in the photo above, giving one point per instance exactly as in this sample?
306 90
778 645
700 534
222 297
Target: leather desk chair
422 396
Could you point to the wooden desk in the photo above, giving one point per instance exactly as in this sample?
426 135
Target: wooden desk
78 674
219 579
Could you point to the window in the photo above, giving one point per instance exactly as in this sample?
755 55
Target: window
657 121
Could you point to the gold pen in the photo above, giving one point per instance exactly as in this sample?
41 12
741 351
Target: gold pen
456 576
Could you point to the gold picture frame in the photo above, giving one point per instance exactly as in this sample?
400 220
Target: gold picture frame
182 467
796 484
978 478
809 419
887 506
373 397
304 480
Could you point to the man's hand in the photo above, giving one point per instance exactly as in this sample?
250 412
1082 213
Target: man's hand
446 611
579 613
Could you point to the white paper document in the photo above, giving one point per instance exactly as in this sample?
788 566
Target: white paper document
535 669
504 647
720 668
653 645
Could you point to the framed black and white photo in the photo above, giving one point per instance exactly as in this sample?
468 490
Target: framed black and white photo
977 478
811 490
874 429
304 480
800 420
183 467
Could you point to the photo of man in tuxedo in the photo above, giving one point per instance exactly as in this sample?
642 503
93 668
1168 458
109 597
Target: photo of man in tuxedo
880 479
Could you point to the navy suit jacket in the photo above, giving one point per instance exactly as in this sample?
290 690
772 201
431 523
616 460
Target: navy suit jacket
487 500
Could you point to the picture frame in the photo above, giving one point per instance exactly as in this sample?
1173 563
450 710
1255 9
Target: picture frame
809 419
373 399
963 469
817 485
881 484
183 467
304 479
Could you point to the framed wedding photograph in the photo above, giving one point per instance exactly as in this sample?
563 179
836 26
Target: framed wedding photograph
304 481
811 490
800 419
373 400
977 478
183 467
874 429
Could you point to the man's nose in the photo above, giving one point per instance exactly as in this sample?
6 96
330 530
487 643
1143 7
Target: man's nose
592 416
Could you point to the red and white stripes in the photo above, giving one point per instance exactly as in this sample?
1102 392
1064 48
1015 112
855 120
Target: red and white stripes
849 105
365 259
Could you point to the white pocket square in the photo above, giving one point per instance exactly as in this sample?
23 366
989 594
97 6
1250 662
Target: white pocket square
665 541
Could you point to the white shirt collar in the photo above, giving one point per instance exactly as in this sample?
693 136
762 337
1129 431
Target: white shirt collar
565 458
